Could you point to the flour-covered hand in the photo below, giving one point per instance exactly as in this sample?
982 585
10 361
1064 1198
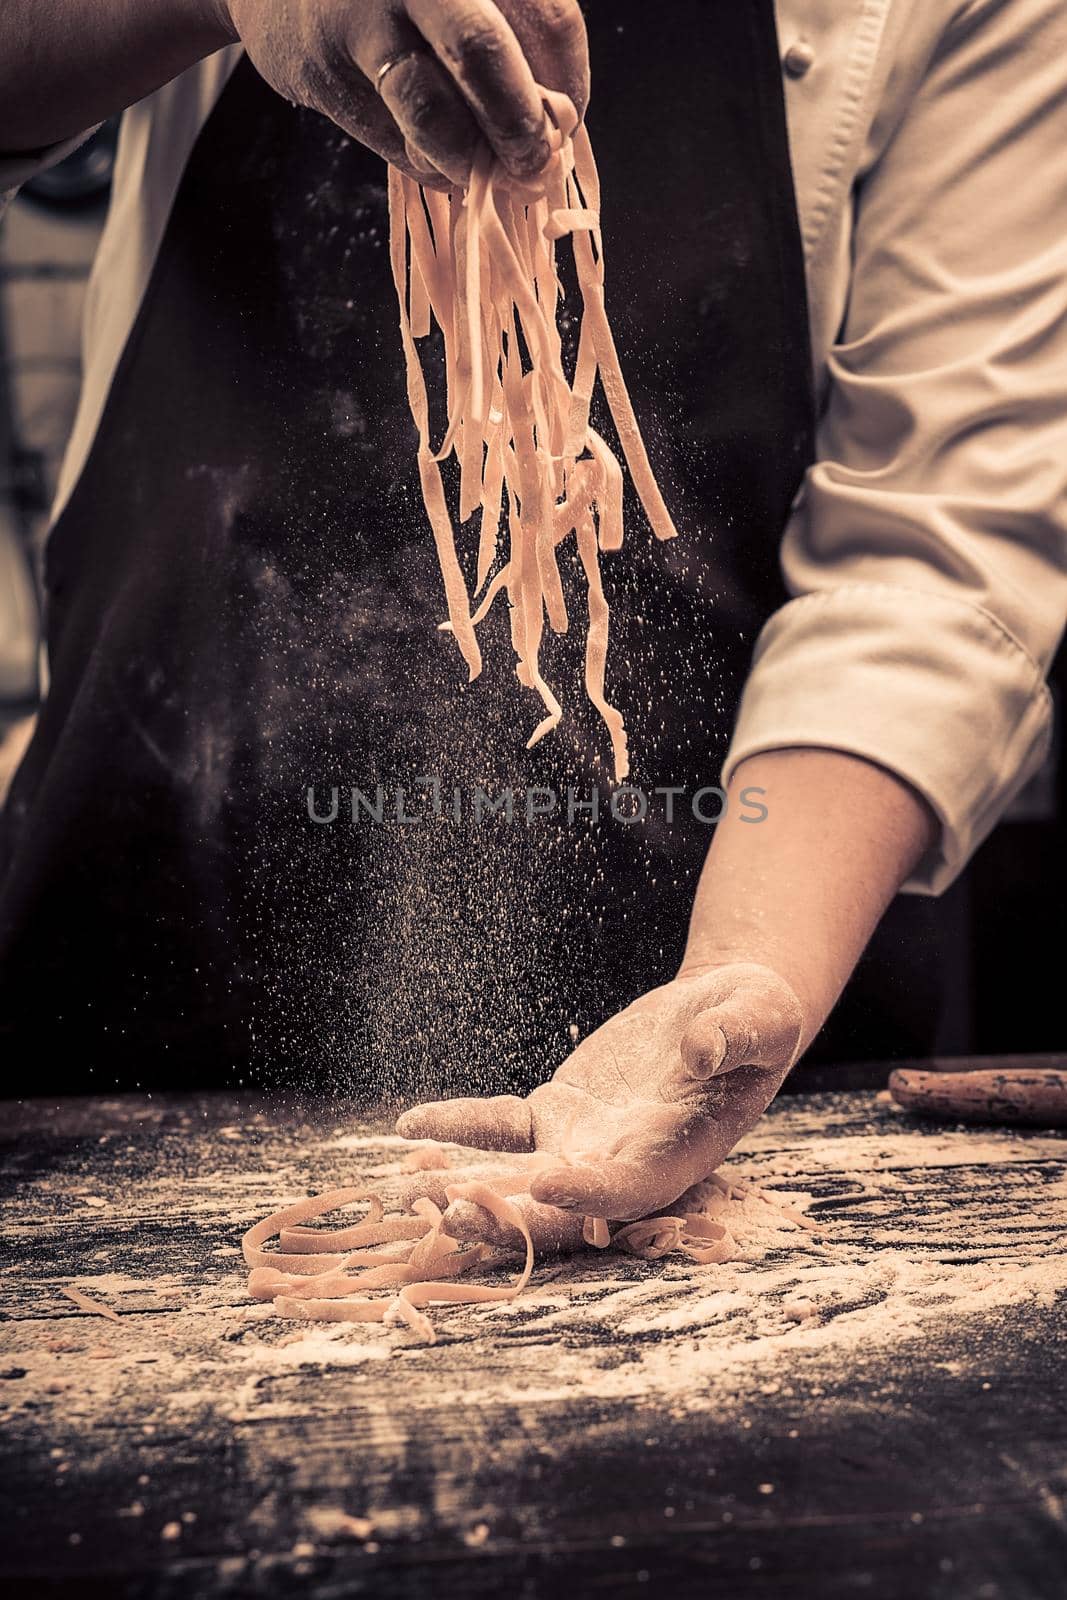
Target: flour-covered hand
646 1106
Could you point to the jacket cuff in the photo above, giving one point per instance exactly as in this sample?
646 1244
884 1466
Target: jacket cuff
934 689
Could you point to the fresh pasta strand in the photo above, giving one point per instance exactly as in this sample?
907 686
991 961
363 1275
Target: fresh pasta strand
482 265
595 1232
307 1279
86 1302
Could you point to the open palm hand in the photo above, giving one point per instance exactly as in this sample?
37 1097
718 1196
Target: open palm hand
646 1106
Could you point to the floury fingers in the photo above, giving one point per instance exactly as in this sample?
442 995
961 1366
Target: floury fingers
482 264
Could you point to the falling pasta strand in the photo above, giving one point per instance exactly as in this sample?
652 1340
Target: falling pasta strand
482 265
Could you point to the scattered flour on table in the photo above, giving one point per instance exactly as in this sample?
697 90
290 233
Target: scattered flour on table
888 1263
936 1250
917 1230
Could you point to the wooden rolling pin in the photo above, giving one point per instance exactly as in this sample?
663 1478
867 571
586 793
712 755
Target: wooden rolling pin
1028 1091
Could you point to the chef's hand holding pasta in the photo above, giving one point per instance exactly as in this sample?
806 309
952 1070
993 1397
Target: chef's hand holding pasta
424 82
649 1103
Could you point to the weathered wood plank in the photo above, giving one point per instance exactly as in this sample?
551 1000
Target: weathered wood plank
880 1408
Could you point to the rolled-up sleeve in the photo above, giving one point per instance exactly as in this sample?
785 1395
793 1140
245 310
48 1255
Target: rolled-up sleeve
928 548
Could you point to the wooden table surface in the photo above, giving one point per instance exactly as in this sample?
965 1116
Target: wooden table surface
878 1409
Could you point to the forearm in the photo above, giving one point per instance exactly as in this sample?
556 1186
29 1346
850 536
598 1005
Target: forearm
802 890
67 64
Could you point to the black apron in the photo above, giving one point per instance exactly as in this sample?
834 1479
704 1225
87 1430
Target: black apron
242 600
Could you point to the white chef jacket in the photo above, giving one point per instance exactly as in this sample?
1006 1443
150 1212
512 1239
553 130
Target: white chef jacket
927 548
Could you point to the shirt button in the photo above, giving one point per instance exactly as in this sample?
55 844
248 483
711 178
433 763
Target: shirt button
798 59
